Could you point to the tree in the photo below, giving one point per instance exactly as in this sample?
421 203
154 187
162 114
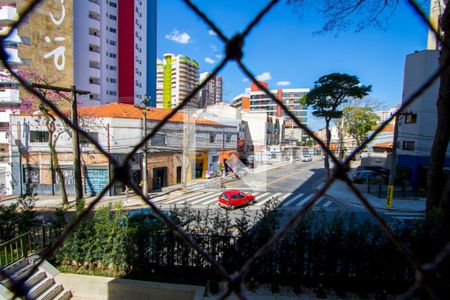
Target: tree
328 94
342 14
358 121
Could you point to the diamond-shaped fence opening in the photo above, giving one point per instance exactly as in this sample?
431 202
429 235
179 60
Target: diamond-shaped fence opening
234 282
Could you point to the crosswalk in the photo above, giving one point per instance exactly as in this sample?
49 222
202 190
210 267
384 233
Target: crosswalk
204 199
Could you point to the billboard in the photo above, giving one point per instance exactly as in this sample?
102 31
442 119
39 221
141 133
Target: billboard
47 48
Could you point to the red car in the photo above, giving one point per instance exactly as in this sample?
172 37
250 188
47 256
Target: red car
235 198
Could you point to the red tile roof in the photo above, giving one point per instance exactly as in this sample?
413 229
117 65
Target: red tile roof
387 145
129 111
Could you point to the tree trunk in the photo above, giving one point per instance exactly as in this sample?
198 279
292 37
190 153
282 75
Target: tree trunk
54 158
436 180
327 143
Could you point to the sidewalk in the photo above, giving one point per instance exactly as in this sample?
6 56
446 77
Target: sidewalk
340 192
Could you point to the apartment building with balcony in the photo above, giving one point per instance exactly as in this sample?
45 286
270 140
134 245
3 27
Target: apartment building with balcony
95 36
177 76
212 92
257 101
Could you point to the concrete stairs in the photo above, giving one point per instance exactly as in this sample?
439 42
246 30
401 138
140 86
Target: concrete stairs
41 285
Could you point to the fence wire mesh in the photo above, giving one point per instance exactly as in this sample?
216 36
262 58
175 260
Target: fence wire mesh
233 52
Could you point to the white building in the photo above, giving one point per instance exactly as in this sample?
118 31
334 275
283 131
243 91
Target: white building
95 50
177 76
385 114
417 124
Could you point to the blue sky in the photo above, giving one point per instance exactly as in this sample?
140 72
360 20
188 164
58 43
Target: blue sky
284 49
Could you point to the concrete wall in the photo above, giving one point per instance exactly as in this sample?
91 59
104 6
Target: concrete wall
96 287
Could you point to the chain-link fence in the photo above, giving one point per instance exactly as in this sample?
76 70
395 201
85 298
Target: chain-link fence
233 52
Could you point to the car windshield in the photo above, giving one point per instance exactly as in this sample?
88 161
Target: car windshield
224 197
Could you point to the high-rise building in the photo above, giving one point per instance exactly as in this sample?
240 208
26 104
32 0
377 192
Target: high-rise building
137 52
95 40
260 102
385 114
177 76
212 92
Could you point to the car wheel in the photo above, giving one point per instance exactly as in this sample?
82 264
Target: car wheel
253 201
232 207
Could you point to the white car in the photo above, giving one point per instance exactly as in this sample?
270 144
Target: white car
307 158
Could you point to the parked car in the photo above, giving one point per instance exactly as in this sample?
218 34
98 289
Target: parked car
369 176
234 198
375 169
307 158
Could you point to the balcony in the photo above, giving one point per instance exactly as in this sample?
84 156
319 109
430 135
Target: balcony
9 97
94 57
94 88
94 40
94 72
13 56
95 24
8 14
94 6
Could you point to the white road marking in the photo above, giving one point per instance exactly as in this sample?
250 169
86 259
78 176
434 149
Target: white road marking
268 198
292 200
305 200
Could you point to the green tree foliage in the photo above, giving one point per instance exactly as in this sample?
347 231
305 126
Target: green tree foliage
328 94
358 121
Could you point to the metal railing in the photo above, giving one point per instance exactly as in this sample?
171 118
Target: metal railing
25 245
234 52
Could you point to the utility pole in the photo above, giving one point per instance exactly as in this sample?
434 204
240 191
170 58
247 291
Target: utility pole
145 151
75 136
390 191
144 161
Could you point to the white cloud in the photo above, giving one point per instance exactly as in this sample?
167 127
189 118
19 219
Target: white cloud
209 60
245 80
219 56
283 83
214 47
212 32
179 37
264 76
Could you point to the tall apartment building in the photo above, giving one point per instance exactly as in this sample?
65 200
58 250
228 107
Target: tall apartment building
177 76
95 37
212 92
77 43
260 102
137 52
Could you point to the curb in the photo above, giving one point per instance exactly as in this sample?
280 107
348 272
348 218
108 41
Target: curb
361 206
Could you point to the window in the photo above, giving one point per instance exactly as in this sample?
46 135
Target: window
408 145
228 137
112 55
113 30
410 118
212 137
112 4
158 140
113 17
93 135
38 136
111 42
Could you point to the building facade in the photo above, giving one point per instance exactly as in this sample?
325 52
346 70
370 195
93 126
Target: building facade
260 102
117 128
95 44
417 124
212 92
177 76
